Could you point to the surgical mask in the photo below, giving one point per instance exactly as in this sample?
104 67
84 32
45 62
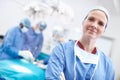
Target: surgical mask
37 31
85 57
24 29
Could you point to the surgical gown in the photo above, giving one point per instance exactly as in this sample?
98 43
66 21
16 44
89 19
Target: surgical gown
63 60
33 42
12 42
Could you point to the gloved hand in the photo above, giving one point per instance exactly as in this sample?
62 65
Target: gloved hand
26 54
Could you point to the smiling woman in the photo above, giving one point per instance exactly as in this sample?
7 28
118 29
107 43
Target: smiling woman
94 24
81 59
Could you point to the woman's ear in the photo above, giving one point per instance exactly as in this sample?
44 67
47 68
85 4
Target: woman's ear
83 21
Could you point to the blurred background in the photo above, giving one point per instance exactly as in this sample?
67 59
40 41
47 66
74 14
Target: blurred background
68 14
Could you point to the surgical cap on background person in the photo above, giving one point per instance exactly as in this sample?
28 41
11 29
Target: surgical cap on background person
58 31
42 25
26 22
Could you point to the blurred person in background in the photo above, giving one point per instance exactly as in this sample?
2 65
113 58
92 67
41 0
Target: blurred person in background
81 59
13 42
58 36
34 39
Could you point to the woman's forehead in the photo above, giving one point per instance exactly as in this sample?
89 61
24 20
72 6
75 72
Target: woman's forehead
99 11
99 14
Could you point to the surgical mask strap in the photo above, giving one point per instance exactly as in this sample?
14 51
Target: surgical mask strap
75 62
95 67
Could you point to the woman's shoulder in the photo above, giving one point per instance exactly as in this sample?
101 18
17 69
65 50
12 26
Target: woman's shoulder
104 57
65 46
68 43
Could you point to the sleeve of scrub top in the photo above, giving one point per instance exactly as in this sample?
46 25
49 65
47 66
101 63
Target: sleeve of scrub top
39 47
56 64
110 71
8 42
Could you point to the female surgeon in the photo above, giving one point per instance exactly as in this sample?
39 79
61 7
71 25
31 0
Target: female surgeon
81 59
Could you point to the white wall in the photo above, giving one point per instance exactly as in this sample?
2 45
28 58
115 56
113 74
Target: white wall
113 32
11 12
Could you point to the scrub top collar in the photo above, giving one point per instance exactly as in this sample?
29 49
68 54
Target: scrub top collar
82 47
85 57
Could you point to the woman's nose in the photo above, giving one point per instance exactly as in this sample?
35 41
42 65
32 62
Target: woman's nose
94 24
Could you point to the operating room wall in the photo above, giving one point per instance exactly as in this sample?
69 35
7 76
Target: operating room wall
113 31
11 12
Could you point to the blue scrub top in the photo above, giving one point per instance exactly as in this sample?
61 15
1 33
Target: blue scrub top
63 60
11 44
33 42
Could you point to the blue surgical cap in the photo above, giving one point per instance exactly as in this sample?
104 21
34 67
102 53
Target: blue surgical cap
42 25
26 22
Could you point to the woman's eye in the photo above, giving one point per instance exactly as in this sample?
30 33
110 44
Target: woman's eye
101 23
91 19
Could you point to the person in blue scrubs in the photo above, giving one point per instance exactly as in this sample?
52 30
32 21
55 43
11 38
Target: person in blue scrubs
13 42
81 59
34 39
58 36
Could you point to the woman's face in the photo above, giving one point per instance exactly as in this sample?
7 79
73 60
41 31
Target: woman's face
94 24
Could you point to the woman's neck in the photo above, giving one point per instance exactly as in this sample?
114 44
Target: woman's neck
88 44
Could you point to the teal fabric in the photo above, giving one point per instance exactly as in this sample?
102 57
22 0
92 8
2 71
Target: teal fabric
43 56
20 70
